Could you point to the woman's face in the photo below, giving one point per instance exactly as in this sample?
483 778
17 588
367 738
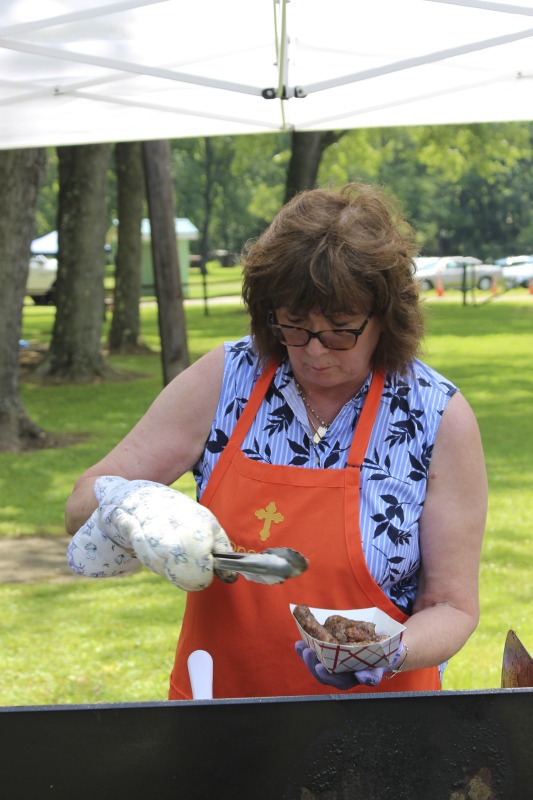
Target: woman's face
322 367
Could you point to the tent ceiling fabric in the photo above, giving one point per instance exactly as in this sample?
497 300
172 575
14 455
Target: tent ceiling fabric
83 71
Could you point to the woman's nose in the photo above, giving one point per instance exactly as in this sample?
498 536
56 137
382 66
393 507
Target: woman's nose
314 345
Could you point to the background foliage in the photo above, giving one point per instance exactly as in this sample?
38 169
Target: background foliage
467 189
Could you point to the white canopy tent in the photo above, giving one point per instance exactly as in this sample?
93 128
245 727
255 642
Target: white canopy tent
83 71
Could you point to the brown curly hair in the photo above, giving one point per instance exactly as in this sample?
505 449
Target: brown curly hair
329 252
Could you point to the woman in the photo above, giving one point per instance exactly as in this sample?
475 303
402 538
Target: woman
322 432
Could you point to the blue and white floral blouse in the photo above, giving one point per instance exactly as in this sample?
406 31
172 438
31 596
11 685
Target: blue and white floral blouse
394 472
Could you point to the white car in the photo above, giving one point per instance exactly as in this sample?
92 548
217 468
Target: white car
42 276
457 272
517 271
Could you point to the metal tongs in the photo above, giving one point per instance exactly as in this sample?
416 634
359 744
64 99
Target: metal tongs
270 567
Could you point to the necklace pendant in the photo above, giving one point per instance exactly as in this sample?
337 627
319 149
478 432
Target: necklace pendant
320 433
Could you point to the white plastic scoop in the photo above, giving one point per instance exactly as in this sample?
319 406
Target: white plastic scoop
200 666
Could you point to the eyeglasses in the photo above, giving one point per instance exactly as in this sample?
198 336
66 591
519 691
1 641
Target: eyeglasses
336 339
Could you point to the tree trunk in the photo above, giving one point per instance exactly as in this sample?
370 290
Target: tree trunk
208 203
75 354
20 175
306 152
124 334
171 314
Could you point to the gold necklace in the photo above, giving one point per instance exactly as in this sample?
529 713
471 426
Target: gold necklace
323 426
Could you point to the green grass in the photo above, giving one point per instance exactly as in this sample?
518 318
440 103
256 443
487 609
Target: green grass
219 281
488 351
114 641
84 642
33 486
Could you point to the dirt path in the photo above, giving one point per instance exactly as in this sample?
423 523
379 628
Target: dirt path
34 559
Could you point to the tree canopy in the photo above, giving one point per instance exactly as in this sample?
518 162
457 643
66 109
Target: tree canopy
466 188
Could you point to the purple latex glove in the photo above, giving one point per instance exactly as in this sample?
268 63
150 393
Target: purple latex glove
343 680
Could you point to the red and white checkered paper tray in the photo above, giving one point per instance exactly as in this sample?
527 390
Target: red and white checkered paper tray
350 658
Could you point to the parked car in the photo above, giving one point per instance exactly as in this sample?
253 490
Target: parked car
41 281
456 272
517 271
424 261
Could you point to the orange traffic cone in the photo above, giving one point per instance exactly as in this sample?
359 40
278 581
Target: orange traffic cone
531 286
440 286
494 285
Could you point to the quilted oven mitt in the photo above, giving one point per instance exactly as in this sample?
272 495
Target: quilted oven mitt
142 522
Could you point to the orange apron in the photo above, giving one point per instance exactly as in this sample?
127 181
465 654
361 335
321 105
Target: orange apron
248 627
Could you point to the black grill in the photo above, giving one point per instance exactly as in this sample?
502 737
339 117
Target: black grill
428 745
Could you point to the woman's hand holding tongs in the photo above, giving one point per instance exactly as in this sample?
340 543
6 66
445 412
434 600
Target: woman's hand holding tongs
142 522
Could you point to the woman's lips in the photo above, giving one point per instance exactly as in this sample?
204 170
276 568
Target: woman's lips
315 368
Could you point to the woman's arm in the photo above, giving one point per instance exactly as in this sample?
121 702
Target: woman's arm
452 524
165 443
